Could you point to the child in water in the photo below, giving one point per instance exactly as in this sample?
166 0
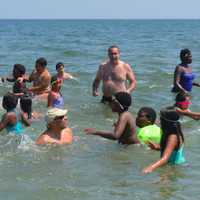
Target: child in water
148 130
124 129
11 120
182 106
19 79
61 74
172 141
55 98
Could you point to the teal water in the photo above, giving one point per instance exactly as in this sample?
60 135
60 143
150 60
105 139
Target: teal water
94 168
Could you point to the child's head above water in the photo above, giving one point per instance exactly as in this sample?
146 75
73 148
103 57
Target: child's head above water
122 101
9 101
18 70
145 116
182 100
60 67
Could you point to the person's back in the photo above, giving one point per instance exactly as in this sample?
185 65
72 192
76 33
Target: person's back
11 120
129 134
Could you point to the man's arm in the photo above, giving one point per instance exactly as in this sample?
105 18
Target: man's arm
66 136
131 78
96 82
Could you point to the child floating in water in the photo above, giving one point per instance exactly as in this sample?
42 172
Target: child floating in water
55 98
172 141
11 120
148 131
124 129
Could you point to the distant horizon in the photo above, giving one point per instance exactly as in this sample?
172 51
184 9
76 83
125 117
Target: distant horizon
99 18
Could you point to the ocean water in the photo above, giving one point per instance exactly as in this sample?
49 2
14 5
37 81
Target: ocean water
92 167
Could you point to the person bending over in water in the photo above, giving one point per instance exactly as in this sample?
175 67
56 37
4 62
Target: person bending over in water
182 106
61 74
114 73
172 141
183 75
148 131
55 98
124 129
57 131
11 120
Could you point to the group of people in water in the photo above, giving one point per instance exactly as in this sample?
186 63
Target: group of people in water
118 81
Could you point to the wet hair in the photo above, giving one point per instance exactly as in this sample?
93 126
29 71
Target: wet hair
150 113
124 99
183 52
26 104
112 47
42 62
169 120
181 96
19 68
58 65
9 101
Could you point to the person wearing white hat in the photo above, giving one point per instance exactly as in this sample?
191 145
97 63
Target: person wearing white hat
57 131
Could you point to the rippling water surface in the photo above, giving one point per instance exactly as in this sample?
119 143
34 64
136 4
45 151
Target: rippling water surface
94 168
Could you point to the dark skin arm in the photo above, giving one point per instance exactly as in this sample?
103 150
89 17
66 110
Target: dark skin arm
115 135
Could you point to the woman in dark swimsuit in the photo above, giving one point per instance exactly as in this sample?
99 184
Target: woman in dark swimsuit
183 75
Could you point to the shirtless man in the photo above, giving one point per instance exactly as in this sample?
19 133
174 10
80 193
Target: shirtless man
57 131
124 129
40 78
114 74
